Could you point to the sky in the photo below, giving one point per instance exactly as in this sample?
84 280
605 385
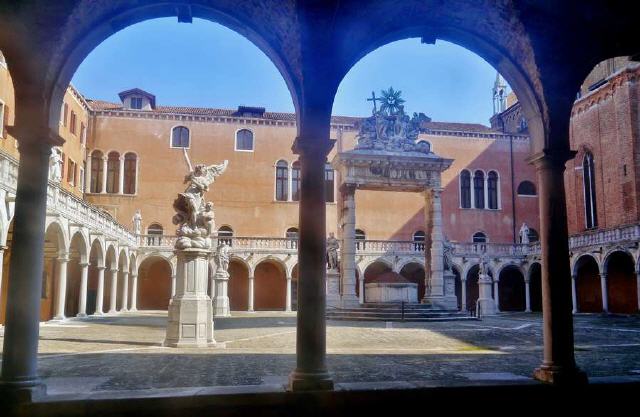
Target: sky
204 64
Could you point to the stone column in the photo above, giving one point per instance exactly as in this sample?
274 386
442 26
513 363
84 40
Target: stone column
496 293
221 300
434 256
288 297
486 303
121 176
311 344
19 358
100 292
251 293
558 366
125 291
463 294
173 285
190 321
114 291
134 291
574 295
527 295
361 289
82 301
104 174
348 296
61 296
605 292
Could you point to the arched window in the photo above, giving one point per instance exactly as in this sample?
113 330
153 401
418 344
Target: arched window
465 189
154 234
225 233
282 181
295 181
328 183
478 189
589 185
130 171
113 172
526 188
418 239
533 235
492 190
479 237
360 238
96 172
244 140
180 137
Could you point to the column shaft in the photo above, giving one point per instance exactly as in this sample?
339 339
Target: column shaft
251 293
134 292
558 365
104 174
100 292
173 285
24 286
114 291
527 296
61 294
463 295
574 294
87 176
605 292
82 300
121 176
496 294
125 291
288 297
348 249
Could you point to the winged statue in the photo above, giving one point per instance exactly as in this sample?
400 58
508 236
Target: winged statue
193 215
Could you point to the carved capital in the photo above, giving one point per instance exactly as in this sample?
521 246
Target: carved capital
551 158
35 138
312 147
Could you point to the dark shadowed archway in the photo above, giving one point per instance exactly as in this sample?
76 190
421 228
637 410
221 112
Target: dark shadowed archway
588 289
622 288
511 289
414 272
238 285
535 287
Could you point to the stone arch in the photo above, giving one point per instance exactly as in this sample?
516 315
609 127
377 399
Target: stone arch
104 25
374 268
111 264
471 284
97 258
154 283
415 272
622 291
535 286
588 289
270 284
55 246
238 290
511 288
407 261
123 280
78 255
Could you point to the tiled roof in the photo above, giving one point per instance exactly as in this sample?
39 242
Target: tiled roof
289 117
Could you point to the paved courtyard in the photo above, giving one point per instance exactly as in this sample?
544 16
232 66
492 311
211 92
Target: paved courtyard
124 352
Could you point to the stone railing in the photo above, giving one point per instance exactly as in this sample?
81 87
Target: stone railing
605 237
67 205
237 243
493 249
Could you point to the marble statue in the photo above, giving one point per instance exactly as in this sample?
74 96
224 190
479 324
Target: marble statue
332 252
192 230
390 128
55 165
524 233
482 266
222 257
137 222
208 218
447 249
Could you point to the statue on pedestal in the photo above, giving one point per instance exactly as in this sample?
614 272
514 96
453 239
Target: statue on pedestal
137 222
55 165
332 252
192 216
524 233
222 258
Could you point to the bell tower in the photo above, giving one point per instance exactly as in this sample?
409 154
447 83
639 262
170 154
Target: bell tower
499 94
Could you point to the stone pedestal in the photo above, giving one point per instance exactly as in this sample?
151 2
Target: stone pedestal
485 301
221 301
190 321
333 288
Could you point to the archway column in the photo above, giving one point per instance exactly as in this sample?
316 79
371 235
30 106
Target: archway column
527 295
104 174
100 292
463 293
558 366
361 289
574 294
61 296
121 176
134 292
251 295
114 290
605 292
496 293
311 370
348 250
125 291
20 346
82 300
288 297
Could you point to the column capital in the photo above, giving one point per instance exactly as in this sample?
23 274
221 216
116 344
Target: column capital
113 270
84 264
348 189
35 138
603 275
101 268
134 275
251 277
312 147
63 257
551 157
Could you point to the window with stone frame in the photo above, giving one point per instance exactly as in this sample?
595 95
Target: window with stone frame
113 172
71 172
225 234
465 189
130 173
418 240
95 186
72 122
295 181
479 237
493 188
244 140
65 114
527 188
360 236
478 189
154 234
136 103
282 181
180 137
589 187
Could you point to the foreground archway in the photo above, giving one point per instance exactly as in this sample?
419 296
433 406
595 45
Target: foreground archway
154 283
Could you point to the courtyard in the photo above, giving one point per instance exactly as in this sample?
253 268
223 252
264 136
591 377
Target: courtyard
115 355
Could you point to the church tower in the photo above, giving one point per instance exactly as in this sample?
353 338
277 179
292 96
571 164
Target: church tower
499 94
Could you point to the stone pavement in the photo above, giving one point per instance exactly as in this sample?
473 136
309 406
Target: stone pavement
124 352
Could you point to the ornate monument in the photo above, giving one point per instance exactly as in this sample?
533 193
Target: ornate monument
190 309
486 304
389 156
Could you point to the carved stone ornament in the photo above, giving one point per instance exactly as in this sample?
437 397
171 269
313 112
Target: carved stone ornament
193 217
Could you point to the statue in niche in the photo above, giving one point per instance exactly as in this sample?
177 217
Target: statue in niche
524 233
222 257
55 165
190 208
332 252
137 222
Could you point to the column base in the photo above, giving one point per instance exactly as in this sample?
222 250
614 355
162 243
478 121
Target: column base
97 314
310 381
81 315
221 307
443 302
58 318
22 391
349 301
558 375
124 310
133 310
487 307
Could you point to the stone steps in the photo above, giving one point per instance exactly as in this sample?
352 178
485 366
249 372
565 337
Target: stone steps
393 312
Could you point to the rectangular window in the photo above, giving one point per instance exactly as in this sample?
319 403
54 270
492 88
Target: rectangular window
72 122
295 182
282 182
136 103
71 173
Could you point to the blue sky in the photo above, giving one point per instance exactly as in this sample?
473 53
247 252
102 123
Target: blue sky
207 65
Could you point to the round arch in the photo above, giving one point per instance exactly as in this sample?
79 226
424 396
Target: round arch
415 272
587 282
622 291
238 290
78 254
270 285
535 286
154 283
511 288
371 270
55 245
